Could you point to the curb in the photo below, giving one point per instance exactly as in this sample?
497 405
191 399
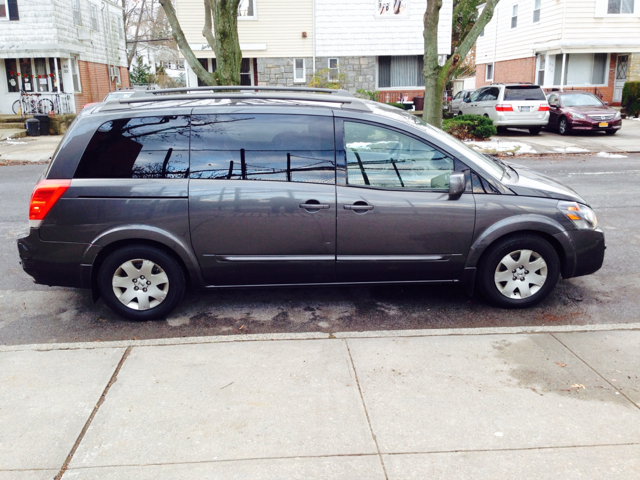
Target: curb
264 337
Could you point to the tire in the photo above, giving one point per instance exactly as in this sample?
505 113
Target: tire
16 107
501 264
45 106
611 132
460 113
501 129
142 267
535 130
563 127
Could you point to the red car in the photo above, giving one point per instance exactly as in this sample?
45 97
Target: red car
581 111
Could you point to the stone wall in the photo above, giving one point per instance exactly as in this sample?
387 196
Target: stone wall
360 72
634 68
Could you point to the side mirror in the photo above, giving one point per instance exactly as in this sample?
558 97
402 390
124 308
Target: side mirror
456 185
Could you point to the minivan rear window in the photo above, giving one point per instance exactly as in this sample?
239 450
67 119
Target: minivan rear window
286 148
524 92
148 147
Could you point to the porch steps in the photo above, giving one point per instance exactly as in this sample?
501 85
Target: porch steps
11 124
12 133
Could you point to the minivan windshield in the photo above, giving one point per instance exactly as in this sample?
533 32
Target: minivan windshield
580 100
490 166
524 92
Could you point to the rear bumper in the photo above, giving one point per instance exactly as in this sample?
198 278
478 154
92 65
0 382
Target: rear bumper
504 121
53 263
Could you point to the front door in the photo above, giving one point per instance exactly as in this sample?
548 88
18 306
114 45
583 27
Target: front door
396 221
621 77
262 204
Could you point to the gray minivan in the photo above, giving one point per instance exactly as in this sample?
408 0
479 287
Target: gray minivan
210 188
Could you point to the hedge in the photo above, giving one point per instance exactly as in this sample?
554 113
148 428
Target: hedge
467 127
631 98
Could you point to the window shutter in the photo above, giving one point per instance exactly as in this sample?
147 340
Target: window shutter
601 8
13 10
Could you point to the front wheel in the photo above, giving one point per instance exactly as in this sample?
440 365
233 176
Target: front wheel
16 107
518 271
563 126
141 282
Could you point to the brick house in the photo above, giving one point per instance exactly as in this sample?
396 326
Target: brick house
375 44
71 52
591 45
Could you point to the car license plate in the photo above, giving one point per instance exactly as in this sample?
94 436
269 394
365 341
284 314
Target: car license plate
525 109
603 124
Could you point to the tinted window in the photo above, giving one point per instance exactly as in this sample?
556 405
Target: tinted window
286 148
149 147
380 157
476 94
527 92
489 94
458 95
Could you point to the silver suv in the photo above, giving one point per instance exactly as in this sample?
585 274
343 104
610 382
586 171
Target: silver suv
163 191
510 105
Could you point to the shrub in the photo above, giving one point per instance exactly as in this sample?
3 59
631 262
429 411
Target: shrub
466 127
399 105
325 79
368 94
631 98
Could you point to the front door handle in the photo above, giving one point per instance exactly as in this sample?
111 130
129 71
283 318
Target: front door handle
314 205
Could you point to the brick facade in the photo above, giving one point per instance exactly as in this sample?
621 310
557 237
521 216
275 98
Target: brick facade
524 70
95 82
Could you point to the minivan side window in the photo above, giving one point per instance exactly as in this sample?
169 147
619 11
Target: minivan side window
147 147
380 157
285 148
474 96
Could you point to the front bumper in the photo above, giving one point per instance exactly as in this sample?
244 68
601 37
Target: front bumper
53 263
589 247
593 126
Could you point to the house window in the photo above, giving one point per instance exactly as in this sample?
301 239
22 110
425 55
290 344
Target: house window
582 69
75 75
514 16
13 81
541 68
77 17
94 16
620 6
334 69
299 72
536 10
4 10
400 71
245 72
26 73
120 29
247 10
488 74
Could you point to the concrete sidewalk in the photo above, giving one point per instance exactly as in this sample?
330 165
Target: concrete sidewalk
445 404
28 149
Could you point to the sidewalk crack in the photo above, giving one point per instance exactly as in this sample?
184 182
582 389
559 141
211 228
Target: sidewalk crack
366 411
603 377
112 380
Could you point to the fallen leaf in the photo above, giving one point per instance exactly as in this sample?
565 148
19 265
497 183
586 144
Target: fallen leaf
561 364
578 385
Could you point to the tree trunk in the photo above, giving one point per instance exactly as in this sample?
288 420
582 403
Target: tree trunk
227 43
432 112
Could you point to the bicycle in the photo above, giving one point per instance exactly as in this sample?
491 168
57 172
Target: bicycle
31 103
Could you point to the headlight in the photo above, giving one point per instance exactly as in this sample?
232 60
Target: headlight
582 216
577 116
617 116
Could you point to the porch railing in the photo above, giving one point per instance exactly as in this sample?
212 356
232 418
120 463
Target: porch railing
45 102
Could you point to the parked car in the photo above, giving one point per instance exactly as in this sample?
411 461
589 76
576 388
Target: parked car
112 96
582 111
153 194
510 105
457 100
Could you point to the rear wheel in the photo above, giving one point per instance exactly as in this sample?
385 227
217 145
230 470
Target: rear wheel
16 107
518 271
535 130
563 127
141 282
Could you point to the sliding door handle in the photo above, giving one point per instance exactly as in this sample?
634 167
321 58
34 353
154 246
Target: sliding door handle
358 207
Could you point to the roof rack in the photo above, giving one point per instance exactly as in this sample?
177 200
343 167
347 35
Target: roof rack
341 93
353 102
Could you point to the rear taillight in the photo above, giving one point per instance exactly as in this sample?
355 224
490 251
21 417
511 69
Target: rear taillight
44 197
506 107
543 108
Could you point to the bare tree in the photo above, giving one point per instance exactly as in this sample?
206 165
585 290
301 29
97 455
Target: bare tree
221 32
467 28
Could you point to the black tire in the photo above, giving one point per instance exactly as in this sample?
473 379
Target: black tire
563 127
45 106
501 129
163 263
611 132
535 130
16 107
491 265
460 113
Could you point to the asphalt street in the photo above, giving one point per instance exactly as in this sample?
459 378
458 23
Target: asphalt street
31 313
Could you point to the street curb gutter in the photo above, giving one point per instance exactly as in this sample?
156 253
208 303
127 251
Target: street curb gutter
321 336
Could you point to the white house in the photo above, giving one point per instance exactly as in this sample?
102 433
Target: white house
375 44
70 51
589 45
